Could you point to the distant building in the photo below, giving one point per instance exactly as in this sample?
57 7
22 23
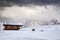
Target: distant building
12 26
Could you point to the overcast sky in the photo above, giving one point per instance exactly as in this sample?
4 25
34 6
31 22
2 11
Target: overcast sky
21 10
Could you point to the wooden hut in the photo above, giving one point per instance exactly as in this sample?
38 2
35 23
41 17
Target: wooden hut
12 26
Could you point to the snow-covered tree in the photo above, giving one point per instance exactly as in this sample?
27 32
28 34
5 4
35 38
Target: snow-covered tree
35 23
54 21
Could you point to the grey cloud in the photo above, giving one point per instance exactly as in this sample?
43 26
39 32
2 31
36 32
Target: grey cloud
4 3
11 11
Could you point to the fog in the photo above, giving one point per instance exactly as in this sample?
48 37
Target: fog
31 12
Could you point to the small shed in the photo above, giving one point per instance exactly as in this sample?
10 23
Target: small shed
12 26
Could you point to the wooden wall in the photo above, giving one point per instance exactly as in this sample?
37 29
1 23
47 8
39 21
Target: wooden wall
11 27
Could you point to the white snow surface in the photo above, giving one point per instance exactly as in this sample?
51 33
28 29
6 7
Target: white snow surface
50 32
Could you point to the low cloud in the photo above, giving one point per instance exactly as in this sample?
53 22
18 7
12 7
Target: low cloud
41 11
33 12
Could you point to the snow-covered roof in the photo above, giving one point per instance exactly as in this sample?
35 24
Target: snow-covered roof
13 23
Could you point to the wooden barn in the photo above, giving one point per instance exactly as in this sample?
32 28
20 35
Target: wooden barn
12 26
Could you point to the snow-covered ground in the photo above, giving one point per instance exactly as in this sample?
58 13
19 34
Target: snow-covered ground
50 32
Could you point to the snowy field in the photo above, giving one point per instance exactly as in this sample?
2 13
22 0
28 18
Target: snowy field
49 33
